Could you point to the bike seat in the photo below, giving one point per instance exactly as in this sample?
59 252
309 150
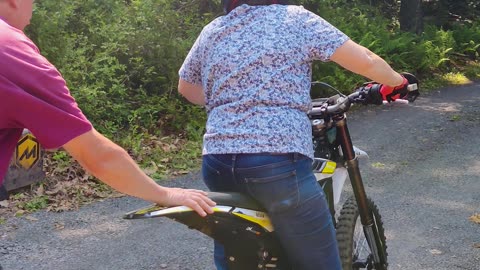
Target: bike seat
235 199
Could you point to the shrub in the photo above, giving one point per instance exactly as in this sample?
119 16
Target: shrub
120 58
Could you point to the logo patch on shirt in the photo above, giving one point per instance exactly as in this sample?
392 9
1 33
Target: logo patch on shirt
27 152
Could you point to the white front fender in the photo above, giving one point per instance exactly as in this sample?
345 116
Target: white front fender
359 152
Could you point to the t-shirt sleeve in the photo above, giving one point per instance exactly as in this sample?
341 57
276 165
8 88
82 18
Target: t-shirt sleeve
324 39
192 66
37 96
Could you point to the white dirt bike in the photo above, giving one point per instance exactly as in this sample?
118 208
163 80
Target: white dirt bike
243 226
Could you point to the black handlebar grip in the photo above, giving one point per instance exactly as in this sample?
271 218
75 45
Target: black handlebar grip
410 77
412 80
370 94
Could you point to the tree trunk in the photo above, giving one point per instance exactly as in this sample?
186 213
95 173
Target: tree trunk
411 16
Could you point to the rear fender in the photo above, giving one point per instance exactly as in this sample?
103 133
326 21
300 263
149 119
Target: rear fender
187 216
245 233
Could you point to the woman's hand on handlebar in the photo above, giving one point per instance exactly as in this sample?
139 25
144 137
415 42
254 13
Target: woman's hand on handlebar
195 199
390 93
375 93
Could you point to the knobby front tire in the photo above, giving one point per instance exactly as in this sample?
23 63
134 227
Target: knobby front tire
354 250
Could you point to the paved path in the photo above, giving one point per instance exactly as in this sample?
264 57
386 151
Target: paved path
423 172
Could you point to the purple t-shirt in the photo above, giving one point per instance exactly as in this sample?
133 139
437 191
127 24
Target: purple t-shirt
33 95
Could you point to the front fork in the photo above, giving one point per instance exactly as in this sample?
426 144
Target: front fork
366 215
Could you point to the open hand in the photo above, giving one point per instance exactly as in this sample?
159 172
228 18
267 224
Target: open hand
195 199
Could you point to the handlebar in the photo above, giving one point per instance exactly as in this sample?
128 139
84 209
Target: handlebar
340 103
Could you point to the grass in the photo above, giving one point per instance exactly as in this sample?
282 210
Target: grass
472 70
455 117
461 76
456 78
378 165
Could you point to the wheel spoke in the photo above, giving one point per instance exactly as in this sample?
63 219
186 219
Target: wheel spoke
361 248
355 251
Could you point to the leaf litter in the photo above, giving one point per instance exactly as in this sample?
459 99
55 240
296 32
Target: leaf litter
67 186
475 218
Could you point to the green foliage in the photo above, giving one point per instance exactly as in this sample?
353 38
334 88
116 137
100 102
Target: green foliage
452 10
436 51
61 156
121 58
467 37
436 47
36 203
473 71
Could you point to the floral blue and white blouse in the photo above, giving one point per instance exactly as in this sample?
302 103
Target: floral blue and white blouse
254 65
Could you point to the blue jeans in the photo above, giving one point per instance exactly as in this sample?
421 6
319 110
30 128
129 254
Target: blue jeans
285 186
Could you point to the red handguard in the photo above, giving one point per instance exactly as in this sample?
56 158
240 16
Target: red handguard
392 93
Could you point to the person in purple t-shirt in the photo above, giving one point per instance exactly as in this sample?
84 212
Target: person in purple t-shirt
33 95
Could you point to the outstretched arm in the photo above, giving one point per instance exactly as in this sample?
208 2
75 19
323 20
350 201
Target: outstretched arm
111 164
361 60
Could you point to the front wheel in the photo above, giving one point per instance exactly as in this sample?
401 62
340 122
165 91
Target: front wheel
355 252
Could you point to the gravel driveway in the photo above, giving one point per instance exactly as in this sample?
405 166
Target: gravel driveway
423 172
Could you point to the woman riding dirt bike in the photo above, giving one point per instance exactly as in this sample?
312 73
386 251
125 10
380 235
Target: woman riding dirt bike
242 225
252 70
